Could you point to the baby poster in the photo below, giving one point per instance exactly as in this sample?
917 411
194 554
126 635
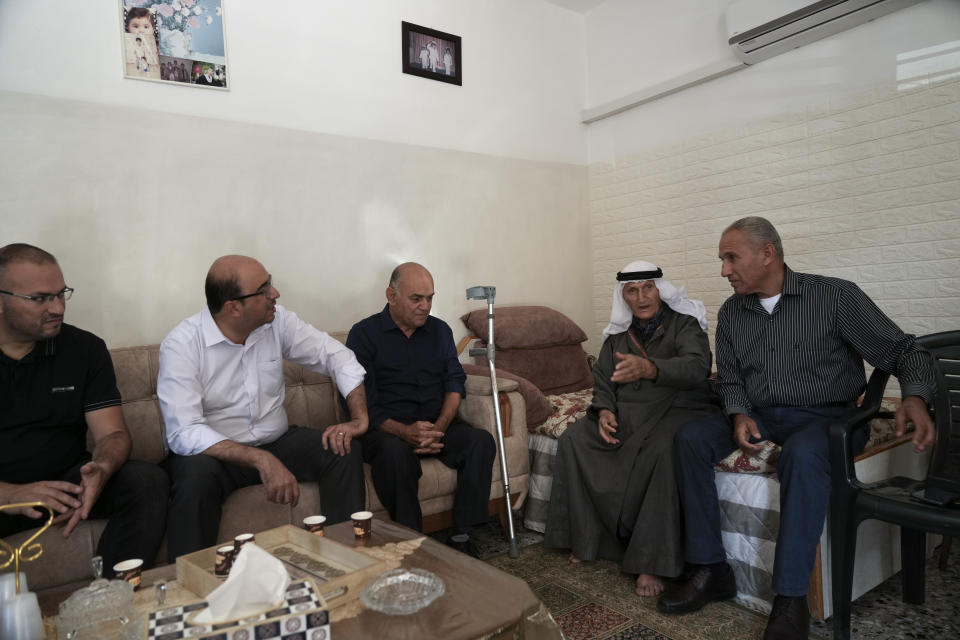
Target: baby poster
174 41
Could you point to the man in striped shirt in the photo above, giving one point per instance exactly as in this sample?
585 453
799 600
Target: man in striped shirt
790 351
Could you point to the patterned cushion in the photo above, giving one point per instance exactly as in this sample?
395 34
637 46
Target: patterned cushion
882 427
764 461
881 430
567 409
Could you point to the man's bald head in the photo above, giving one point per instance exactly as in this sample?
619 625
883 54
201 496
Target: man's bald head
223 280
410 270
410 296
22 252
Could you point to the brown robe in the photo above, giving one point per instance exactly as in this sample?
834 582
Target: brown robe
621 502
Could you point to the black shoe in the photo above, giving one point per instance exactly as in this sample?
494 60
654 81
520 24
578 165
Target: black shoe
464 546
789 619
700 589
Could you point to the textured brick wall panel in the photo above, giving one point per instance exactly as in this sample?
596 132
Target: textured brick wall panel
865 188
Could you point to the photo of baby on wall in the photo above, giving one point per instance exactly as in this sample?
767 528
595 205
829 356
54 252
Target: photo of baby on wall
179 41
140 44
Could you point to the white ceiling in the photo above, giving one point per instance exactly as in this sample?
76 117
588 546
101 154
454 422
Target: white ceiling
580 6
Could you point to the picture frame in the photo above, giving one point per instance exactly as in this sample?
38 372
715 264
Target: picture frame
432 54
179 42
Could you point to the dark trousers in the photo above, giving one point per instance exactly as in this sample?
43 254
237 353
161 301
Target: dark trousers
396 473
804 473
134 502
200 484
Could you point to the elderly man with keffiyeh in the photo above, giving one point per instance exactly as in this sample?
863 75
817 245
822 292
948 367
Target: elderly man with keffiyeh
614 492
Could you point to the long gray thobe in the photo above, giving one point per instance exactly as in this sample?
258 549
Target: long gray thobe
620 502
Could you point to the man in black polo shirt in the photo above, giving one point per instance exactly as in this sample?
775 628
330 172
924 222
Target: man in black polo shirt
414 385
56 381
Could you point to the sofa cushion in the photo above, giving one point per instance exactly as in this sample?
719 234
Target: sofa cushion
145 422
136 371
526 327
311 398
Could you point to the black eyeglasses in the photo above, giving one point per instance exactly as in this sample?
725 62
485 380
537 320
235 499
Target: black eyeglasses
264 290
44 298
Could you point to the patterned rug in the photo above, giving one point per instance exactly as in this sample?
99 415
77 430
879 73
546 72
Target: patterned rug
594 600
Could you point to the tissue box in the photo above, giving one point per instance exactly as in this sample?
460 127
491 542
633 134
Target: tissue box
303 614
339 572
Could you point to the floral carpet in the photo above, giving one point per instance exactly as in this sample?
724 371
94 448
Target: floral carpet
595 600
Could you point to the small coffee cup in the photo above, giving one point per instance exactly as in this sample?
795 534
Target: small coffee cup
224 560
241 540
314 524
129 570
361 523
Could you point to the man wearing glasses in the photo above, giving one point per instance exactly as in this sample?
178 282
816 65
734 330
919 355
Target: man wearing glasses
57 381
221 392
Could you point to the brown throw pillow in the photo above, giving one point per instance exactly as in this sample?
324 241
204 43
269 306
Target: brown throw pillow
525 327
537 405
552 369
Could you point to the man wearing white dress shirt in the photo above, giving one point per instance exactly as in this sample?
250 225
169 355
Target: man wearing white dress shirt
221 392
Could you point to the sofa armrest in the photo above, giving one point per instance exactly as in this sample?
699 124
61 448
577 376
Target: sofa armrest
477 407
479 387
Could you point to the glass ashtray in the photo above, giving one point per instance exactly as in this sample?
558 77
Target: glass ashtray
103 610
402 591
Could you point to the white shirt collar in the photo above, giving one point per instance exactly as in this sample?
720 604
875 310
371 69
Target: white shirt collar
213 335
211 332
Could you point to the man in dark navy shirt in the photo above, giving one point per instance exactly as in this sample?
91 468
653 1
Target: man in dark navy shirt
414 385
56 381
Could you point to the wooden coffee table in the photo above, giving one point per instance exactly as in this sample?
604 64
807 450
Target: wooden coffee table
479 601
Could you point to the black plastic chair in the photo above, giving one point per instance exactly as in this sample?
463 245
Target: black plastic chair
896 500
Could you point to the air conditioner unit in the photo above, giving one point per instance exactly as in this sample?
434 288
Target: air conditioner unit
761 29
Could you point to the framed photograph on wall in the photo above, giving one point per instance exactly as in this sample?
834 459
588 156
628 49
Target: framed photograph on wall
179 41
433 54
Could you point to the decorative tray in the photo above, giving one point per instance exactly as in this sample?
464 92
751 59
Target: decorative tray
339 572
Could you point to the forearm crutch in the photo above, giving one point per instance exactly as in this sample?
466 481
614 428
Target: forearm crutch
488 294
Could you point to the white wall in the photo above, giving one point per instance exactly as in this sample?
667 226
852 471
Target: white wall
333 66
319 161
874 54
634 45
136 204
850 145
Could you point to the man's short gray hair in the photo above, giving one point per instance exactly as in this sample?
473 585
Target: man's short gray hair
760 231
394 278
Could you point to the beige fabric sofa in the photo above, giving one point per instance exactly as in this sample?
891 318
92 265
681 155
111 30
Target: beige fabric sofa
311 401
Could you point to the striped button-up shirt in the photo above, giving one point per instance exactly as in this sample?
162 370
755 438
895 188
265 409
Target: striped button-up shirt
809 352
